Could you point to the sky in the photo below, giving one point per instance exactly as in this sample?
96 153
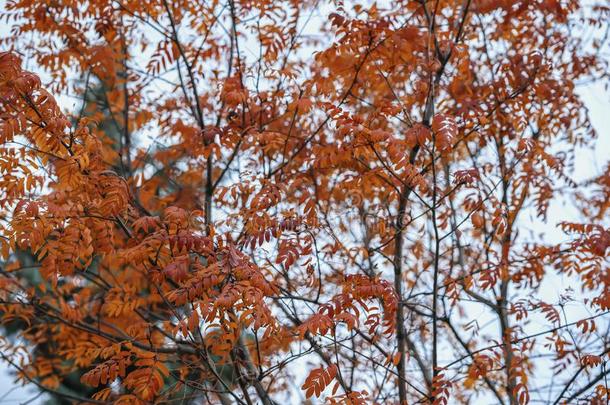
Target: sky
588 164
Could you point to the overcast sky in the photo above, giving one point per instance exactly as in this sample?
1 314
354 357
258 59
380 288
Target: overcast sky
588 164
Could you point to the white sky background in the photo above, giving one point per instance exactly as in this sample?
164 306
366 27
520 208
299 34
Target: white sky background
588 164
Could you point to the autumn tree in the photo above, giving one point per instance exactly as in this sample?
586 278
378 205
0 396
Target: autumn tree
271 201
